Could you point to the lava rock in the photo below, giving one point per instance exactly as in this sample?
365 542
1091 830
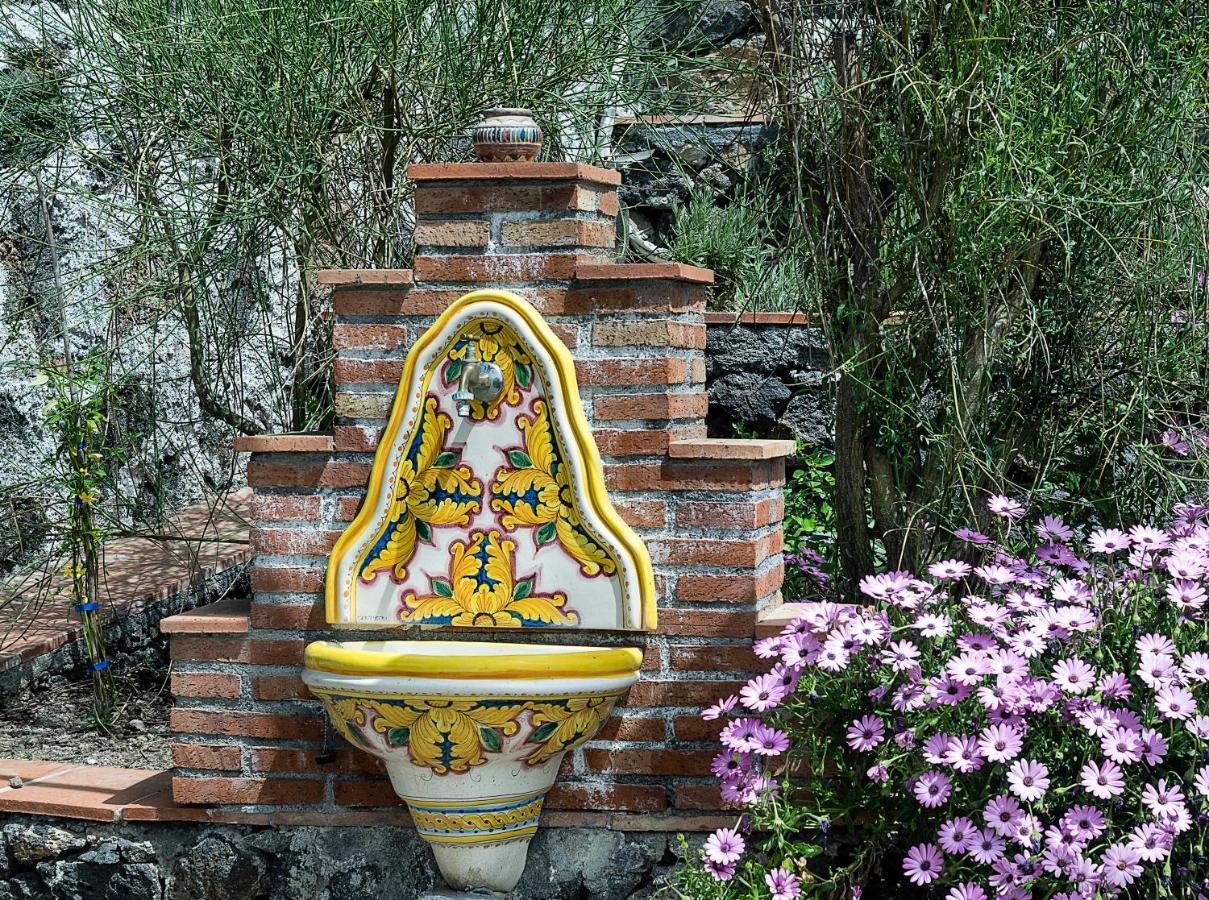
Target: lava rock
216 868
30 844
593 865
749 398
712 22
93 880
810 417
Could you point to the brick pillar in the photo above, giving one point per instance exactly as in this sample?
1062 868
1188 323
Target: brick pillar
709 510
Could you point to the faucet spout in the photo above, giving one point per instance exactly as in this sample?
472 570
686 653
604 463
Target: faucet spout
481 381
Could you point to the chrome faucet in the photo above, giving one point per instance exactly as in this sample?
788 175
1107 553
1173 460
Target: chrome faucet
482 381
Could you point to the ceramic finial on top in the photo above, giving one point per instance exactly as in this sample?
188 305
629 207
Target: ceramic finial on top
507 135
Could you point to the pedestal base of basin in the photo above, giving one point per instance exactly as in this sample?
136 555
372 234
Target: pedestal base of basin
480 843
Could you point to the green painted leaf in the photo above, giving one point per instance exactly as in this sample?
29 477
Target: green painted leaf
523 375
491 738
398 737
423 530
453 371
542 732
523 589
546 533
520 459
442 588
446 460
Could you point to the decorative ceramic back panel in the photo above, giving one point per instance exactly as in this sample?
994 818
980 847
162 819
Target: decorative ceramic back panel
498 519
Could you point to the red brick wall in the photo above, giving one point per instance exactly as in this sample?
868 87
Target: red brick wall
247 732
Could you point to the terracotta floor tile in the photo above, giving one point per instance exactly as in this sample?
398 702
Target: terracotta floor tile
96 793
28 769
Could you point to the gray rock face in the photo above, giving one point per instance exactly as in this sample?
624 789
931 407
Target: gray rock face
216 868
30 844
770 378
593 865
711 22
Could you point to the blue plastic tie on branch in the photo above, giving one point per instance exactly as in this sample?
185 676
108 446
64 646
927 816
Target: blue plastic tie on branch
103 664
86 607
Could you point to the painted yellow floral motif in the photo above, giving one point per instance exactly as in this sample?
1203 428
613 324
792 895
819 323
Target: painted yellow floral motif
431 490
483 591
535 492
454 735
497 343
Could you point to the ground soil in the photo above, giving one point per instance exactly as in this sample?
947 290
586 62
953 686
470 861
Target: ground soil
54 718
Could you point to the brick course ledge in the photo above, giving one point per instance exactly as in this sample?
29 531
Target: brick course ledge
587 271
104 794
730 448
715 317
522 171
230 615
296 442
346 277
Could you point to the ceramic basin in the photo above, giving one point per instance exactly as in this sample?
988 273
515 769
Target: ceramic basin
472 733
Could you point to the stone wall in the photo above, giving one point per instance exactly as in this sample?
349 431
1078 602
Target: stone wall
44 857
251 740
767 373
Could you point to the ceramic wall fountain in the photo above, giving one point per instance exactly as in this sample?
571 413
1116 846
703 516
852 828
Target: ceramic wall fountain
486 509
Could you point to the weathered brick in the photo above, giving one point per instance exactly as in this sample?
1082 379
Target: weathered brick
595 796
652 370
729 588
294 541
207 756
206 684
278 470
504 196
631 442
498 269
567 332
681 693
661 762
280 687
236 723
285 507
456 233
208 648
695 729
707 623
295 579
631 728
697 796
382 337
691 551
649 333
676 475
343 761
558 233
733 515
383 302
223 791
356 438
716 658
630 407
347 371
277 652
646 296
375 792
641 513
290 616
367 405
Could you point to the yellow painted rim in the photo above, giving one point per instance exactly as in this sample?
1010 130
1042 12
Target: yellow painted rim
581 432
588 662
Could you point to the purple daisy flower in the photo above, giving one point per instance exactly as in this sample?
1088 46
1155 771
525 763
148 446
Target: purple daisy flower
783 884
865 733
725 846
933 789
923 864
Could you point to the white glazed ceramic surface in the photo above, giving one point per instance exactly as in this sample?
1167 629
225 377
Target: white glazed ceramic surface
473 757
486 521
